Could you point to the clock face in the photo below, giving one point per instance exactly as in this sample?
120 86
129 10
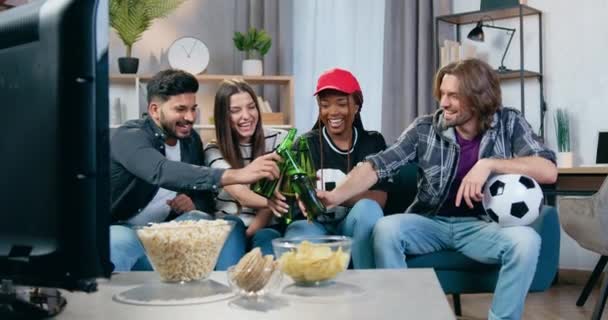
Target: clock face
189 54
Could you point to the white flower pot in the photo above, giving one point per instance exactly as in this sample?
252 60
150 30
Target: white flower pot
564 159
252 67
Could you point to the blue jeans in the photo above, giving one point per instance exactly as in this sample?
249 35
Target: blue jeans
516 249
127 253
358 224
263 239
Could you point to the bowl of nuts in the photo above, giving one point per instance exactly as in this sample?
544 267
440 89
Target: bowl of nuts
255 275
182 251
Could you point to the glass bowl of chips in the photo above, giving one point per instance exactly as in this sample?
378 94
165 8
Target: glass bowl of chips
312 261
182 251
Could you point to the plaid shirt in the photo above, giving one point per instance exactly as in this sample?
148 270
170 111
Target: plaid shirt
435 151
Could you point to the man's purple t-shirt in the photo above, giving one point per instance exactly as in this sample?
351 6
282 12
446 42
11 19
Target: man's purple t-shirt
469 153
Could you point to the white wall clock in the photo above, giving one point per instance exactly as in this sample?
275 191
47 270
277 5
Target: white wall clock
188 54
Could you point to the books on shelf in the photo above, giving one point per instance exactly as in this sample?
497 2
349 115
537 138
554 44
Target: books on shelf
264 105
270 117
452 51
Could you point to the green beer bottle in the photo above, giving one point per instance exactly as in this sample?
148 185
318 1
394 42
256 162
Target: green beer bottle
286 189
303 186
305 158
265 187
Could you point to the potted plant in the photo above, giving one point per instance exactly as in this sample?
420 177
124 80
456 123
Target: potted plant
250 42
562 132
131 18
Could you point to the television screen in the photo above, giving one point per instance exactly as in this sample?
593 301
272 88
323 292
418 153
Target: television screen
54 144
601 156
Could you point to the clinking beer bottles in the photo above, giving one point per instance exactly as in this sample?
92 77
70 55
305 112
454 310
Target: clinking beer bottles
299 180
294 176
265 187
302 186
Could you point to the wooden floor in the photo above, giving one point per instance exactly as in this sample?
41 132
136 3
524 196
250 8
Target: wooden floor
558 303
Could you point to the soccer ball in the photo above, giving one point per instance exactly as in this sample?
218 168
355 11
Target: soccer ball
512 199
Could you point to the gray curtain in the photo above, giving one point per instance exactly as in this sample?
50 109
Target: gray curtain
275 17
409 62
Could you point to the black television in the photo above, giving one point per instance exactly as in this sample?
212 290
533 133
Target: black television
601 156
55 147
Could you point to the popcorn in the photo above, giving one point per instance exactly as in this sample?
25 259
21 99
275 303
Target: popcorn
184 250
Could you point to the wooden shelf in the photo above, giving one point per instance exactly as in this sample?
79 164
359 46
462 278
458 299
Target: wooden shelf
126 78
514 74
276 126
496 14
210 126
249 79
285 84
123 78
600 169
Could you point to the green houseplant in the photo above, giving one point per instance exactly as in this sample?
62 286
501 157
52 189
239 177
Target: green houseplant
131 18
562 132
253 41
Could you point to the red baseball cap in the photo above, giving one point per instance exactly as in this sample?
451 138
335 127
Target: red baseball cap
337 79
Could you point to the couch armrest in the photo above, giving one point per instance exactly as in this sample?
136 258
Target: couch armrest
547 226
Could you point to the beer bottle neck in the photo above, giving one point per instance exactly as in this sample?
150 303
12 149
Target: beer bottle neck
290 161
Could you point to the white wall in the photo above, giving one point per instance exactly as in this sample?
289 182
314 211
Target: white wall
211 21
339 33
208 20
575 42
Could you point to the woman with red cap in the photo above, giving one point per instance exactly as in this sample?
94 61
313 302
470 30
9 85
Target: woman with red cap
337 143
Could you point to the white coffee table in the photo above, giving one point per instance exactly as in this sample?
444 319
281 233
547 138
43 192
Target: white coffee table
356 294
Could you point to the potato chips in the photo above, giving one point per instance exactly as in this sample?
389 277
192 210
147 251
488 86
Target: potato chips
313 262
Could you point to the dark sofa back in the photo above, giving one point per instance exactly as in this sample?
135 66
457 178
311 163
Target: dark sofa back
403 190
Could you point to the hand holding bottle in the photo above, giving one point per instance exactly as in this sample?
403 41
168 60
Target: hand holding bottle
266 187
264 167
278 205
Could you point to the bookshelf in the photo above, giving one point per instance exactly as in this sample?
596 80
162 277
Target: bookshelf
128 89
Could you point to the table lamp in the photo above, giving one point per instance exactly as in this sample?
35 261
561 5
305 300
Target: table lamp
476 34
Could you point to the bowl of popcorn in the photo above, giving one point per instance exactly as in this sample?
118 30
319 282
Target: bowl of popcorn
255 275
312 261
182 251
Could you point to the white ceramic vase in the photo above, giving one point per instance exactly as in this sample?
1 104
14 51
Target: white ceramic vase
564 159
252 67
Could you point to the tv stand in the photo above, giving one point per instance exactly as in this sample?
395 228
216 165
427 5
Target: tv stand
29 303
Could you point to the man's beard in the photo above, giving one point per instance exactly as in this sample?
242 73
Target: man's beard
462 118
170 127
